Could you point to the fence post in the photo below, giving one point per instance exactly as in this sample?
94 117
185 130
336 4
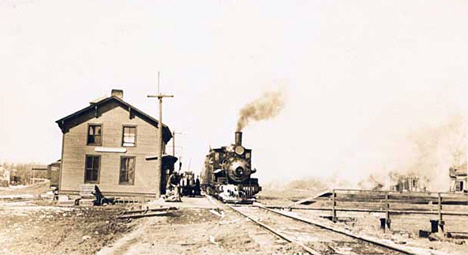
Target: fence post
333 206
441 222
387 208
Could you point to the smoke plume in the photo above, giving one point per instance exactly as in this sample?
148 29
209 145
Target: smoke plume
434 150
266 107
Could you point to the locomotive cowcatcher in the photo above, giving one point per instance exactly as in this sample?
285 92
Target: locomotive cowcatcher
227 173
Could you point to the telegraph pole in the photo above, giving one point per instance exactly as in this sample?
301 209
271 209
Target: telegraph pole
160 137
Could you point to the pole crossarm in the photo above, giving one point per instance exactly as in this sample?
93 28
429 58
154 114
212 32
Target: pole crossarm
160 96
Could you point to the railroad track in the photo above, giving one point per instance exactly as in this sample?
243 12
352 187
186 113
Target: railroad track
314 237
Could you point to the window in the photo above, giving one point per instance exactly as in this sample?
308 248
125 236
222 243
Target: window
129 136
92 169
94 134
127 170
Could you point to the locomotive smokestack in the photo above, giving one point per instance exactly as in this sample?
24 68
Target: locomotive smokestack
238 138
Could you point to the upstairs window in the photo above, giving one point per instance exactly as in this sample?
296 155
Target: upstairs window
94 134
127 170
129 136
92 169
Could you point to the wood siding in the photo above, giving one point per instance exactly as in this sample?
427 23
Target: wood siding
112 117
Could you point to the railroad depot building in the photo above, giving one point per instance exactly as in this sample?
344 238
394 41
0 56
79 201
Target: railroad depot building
114 145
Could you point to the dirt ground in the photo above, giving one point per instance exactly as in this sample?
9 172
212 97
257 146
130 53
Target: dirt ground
41 228
284 197
199 231
35 189
38 226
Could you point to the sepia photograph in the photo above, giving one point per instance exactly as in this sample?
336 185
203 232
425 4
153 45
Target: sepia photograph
233 127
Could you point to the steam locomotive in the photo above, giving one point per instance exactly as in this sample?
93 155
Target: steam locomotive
227 173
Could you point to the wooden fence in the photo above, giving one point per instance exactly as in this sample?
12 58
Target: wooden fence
389 203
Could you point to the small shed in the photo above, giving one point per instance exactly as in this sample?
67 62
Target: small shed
458 179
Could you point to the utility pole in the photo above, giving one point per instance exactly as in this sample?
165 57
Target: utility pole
160 137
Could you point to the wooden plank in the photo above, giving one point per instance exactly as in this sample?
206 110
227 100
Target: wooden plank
396 192
407 199
86 190
333 206
141 215
387 209
152 210
110 149
453 213
440 209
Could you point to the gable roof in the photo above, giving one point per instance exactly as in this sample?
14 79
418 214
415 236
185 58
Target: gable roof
167 134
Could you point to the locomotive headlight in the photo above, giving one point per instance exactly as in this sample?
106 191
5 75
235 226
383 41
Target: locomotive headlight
238 170
239 150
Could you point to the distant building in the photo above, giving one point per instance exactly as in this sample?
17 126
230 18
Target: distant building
39 173
53 171
458 179
408 183
112 144
50 172
4 177
14 178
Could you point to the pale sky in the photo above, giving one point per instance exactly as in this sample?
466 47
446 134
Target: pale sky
359 75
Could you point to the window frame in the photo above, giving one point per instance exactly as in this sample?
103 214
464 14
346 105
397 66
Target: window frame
87 134
98 169
120 171
123 135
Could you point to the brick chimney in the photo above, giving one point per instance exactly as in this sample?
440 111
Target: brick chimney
117 93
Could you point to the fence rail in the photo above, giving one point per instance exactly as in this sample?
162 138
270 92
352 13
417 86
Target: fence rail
389 203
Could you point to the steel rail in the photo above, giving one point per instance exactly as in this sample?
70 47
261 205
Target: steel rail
307 249
349 234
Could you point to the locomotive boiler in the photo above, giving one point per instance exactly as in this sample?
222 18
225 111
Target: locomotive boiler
227 173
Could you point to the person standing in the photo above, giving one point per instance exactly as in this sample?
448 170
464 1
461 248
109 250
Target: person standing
183 185
191 186
197 187
56 194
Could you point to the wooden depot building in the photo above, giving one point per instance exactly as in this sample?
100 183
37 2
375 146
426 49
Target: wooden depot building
112 144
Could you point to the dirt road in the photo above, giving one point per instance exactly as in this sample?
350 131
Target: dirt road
29 228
